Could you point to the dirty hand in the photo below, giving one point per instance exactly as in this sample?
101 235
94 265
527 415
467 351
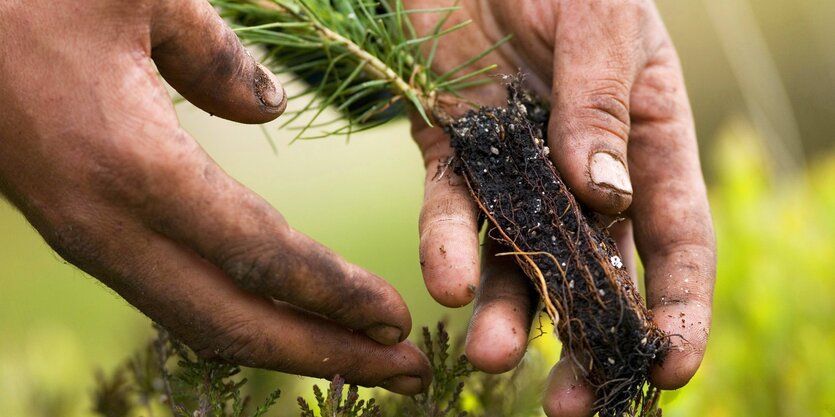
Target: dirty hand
622 137
92 153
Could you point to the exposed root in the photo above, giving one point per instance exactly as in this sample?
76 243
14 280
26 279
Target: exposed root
564 249
542 286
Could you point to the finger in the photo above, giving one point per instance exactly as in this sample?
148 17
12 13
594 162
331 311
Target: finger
673 230
181 193
448 226
567 393
504 308
624 238
596 60
448 222
205 309
200 56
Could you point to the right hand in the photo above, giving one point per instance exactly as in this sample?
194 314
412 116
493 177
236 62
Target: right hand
93 155
620 120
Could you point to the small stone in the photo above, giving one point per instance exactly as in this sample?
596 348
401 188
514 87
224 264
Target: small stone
494 150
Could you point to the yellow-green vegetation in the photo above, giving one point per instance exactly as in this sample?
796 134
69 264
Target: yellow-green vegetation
772 348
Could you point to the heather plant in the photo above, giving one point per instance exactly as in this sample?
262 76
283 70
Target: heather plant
166 379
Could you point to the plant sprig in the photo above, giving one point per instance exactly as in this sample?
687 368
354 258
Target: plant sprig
364 57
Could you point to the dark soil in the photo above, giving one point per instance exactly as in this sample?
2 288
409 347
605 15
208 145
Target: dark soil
563 247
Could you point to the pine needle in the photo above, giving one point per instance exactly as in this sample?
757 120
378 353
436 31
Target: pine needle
362 57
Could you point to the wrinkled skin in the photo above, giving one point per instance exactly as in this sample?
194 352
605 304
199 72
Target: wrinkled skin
92 154
622 137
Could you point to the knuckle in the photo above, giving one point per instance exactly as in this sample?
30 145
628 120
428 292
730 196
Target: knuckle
353 287
430 219
447 212
606 107
262 260
251 264
611 97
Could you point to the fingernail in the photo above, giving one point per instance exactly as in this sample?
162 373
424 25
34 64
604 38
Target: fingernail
404 384
385 334
268 89
608 171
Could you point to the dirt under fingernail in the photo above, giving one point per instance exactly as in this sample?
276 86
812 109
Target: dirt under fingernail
268 90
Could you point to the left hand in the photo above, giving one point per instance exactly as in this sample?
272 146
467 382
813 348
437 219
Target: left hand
92 154
615 85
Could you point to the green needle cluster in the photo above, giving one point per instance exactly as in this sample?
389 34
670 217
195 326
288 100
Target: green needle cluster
363 57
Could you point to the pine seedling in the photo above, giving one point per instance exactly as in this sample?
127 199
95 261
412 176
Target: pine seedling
365 58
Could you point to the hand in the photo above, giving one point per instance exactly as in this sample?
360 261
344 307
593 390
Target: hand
622 137
92 153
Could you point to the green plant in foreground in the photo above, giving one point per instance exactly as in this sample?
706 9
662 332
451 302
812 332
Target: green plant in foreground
332 404
363 57
166 379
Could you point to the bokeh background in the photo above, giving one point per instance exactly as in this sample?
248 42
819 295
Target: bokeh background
761 77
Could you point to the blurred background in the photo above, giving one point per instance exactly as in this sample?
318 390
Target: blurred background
761 77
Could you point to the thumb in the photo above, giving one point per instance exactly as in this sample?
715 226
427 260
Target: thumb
596 60
202 58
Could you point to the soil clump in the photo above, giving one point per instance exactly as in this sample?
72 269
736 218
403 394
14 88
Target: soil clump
563 247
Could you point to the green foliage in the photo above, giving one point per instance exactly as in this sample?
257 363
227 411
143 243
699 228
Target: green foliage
772 347
450 372
364 57
166 379
332 405
447 372
167 374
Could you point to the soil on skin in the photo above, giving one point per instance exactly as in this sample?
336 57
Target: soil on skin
564 248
